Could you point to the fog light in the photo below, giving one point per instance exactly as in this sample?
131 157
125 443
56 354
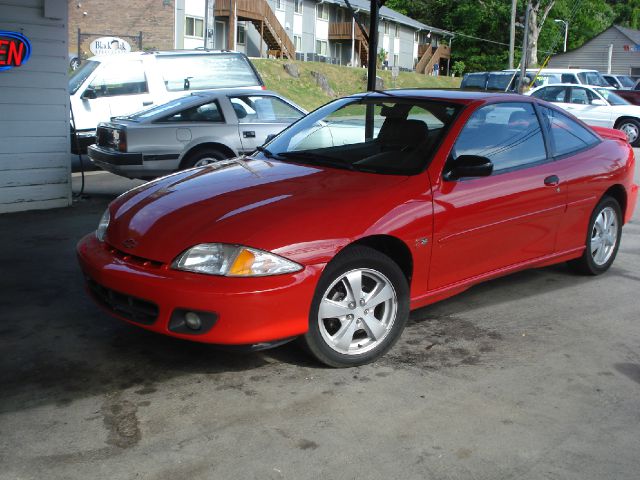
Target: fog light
193 321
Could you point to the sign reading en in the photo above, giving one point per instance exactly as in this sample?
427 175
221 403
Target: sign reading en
15 49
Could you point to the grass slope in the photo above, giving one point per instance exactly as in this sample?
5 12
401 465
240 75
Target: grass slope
343 81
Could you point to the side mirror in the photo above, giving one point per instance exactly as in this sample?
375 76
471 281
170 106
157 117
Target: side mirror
270 137
469 166
89 94
598 102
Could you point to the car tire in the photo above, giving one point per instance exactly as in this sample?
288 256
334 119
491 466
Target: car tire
74 64
202 157
603 239
631 128
370 322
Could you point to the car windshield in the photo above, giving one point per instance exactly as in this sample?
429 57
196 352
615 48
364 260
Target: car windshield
626 81
158 109
80 75
198 72
593 78
611 97
396 136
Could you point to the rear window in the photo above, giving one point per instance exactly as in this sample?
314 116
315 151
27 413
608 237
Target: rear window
474 80
499 81
198 72
593 78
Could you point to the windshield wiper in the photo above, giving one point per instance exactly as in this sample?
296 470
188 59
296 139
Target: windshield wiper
312 158
267 153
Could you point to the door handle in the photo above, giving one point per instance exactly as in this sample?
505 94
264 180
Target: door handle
145 104
551 181
249 134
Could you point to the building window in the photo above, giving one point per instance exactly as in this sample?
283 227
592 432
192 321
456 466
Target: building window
323 11
386 28
297 6
279 4
341 16
396 60
321 47
416 36
297 43
194 27
241 35
397 32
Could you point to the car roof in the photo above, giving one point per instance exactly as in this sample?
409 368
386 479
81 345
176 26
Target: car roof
164 53
461 96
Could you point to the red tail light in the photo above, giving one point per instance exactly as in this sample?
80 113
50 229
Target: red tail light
122 141
264 87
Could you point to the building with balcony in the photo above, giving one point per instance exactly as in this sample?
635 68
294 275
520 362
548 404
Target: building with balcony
313 30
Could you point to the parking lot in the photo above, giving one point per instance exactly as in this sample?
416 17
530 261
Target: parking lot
532 376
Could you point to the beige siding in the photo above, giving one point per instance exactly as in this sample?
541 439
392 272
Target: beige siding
594 54
34 106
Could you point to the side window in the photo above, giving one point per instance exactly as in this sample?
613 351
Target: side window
579 96
551 94
569 78
567 136
263 109
508 134
209 112
127 78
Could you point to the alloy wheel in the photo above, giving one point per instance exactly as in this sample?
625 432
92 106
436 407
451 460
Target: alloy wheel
604 236
357 311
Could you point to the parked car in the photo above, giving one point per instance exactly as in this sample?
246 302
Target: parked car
191 131
334 241
631 96
492 81
109 86
595 106
620 82
576 76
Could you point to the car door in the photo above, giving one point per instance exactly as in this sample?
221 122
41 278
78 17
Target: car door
260 116
487 224
580 104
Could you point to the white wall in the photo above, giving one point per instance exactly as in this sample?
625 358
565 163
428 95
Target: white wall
34 124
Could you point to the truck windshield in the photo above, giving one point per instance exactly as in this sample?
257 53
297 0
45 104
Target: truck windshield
593 78
80 75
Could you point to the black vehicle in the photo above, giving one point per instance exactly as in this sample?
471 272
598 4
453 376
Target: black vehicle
492 81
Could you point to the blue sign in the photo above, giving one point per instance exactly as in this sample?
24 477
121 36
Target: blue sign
15 49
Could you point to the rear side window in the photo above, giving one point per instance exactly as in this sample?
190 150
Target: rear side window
198 72
551 94
508 134
567 135
263 109
126 78
209 112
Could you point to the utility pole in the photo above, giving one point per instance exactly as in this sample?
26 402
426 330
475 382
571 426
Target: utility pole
373 45
525 49
512 32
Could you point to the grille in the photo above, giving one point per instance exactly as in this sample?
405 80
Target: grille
140 261
132 308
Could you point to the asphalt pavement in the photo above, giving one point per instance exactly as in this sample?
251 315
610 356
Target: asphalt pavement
532 376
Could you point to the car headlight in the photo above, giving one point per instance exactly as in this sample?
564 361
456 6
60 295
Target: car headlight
233 261
102 225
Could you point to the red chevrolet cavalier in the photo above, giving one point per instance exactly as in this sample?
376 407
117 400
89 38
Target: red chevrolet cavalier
371 206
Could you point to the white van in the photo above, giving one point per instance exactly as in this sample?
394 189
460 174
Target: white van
576 76
110 86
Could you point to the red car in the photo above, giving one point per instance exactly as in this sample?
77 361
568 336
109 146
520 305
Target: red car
371 206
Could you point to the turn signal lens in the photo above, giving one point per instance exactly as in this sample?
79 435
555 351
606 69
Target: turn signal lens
242 264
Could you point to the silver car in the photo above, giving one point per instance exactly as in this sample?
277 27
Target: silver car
191 131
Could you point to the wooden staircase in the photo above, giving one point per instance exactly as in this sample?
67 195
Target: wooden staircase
343 31
259 13
430 57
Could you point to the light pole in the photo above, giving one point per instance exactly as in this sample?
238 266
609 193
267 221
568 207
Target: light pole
566 31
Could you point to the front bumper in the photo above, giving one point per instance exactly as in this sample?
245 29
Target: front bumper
247 311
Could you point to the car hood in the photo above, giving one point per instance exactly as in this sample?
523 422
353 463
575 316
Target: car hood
291 209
